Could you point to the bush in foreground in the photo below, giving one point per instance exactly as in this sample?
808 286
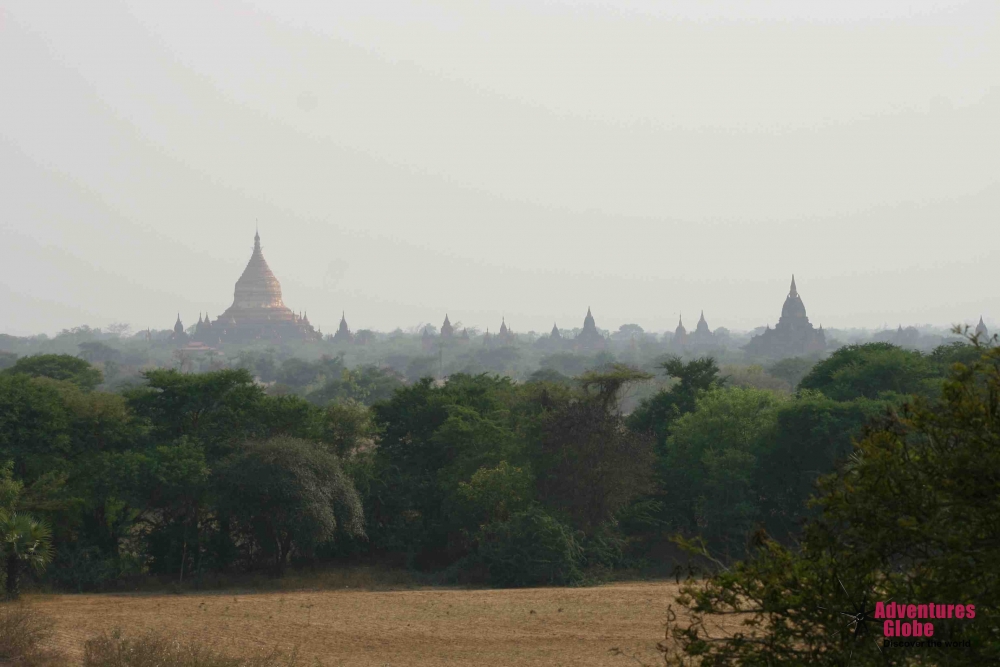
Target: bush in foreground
912 518
154 649
23 632
530 549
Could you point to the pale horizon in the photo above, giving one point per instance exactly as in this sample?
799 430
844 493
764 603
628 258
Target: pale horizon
495 160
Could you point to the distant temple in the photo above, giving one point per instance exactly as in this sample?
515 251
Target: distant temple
447 331
680 333
178 335
257 313
427 340
792 335
590 338
551 343
343 334
702 336
506 335
203 332
982 331
908 337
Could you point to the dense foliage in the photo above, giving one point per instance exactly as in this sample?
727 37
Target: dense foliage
911 517
587 467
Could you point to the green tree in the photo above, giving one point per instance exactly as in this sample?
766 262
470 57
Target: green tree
910 517
551 376
34 426
217 408
97 352
693 378
589 465
286 496
422 367
943 357
433 438
297 373
261 364
175 516
792 369
366 385
868 371
493 494
26 542
710 465
812 435
347 427
98 421
7 359
58 367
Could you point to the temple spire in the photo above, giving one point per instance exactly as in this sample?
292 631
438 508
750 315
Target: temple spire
792 291
343 332
981 329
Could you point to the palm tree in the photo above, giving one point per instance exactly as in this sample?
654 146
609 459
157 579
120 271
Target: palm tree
25 541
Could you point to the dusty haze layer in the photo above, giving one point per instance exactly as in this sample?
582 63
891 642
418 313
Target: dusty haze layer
526 159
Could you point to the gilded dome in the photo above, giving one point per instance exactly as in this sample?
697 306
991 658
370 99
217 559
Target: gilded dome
257 287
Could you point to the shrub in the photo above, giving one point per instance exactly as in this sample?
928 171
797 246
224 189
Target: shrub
82 569
154 649
531 548
604 548
23 631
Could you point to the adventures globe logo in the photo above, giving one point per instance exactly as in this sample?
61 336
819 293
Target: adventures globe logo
903 626
860 621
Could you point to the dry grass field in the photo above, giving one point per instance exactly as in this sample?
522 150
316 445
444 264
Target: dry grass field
427 626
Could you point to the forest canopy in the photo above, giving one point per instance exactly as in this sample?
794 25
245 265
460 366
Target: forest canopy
561 478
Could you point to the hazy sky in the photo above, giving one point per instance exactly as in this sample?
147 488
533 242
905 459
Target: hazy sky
526 159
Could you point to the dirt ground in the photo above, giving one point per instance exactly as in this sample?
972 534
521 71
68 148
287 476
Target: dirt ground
540 626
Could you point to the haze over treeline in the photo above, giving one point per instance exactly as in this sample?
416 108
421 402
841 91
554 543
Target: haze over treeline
520 159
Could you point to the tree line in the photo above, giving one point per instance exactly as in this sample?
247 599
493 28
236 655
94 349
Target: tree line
479 478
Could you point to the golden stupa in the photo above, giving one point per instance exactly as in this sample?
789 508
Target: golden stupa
257 313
